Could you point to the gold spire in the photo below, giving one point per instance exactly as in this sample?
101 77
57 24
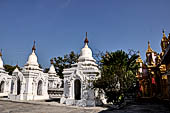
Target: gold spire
33 48
164 38
164 42
149 48
139 60
1 52
86 40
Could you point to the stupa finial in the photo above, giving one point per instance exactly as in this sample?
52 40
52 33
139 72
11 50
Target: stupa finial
86 40
33 48
163 31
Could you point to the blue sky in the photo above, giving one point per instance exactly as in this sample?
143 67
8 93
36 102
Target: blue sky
59 26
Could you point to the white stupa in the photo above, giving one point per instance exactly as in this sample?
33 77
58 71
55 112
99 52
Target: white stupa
5 79
54 82
36 82
78 79
32 63
52 69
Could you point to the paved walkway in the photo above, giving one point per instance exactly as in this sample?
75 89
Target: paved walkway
7 106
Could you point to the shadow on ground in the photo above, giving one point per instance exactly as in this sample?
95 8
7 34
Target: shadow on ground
142 105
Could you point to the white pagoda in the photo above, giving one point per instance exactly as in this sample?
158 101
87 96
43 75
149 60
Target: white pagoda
5 79
54 82
31 83
78 80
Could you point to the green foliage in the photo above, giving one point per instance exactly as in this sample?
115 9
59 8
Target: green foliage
118 74
10 68
61 63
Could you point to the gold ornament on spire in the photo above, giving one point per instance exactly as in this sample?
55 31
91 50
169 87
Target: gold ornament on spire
149 48
86 40
33 48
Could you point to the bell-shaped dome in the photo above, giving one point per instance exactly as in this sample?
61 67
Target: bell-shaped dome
32 60
1 61
86 52
52 70
16 70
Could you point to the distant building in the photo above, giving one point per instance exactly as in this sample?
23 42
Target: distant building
152 73
166 76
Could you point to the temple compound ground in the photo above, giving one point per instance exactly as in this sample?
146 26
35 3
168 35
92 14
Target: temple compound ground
54 107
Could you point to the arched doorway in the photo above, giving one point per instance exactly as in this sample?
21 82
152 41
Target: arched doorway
77 89
12 86
39 88
2 84
18 86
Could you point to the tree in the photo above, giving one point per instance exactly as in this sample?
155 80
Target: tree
118 71
60 63
98 56
10 68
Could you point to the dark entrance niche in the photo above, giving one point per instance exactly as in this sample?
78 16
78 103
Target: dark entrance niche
39 88
18 86
12 86
2 84
77 89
